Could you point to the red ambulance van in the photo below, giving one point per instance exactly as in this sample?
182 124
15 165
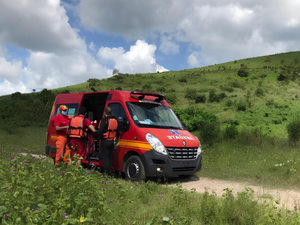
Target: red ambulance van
153 141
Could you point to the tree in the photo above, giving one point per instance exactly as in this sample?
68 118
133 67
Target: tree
116 72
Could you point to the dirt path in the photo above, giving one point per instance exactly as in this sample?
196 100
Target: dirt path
289 199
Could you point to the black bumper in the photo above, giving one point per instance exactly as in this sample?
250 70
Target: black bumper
169 167
50 149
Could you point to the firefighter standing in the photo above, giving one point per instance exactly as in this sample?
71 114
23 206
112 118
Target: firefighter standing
108 131
61 124
78 134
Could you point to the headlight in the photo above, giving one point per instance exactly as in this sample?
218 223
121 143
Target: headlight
199 148
198 151
156 144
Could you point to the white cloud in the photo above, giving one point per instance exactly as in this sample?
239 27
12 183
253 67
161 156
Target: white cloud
37 26
193 61
47 70
139 59
222 28
7 88
92 46
168 46
10 71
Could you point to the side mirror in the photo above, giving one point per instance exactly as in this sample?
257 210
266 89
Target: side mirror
123 124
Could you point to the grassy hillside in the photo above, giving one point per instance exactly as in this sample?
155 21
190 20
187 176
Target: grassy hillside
258 101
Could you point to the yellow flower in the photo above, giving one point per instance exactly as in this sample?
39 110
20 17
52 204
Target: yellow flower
82 219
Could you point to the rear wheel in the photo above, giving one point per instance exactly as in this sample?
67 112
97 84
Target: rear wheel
134 169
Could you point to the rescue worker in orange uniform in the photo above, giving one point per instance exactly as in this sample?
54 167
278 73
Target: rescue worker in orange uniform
61 124
78 134
108 131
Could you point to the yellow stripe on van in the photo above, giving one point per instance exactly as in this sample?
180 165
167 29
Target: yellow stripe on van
142 145
53 137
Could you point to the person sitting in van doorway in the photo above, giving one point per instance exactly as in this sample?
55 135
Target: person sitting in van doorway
108 131
61 124
78 134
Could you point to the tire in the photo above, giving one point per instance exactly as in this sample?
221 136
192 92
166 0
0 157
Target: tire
134 169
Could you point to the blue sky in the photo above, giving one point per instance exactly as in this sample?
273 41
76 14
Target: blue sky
55 43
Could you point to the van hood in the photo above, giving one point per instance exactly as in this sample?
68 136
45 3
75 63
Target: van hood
174 138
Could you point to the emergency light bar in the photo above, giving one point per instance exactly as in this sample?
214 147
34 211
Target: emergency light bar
141 95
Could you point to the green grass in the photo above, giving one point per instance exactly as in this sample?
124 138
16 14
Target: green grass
34 191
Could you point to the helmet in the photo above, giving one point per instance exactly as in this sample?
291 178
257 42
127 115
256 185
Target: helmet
63 107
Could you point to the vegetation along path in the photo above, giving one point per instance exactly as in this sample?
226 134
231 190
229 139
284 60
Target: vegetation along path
289 199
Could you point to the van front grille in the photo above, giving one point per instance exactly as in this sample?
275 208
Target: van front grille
182 153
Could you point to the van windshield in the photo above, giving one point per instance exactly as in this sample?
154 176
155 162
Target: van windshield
153 115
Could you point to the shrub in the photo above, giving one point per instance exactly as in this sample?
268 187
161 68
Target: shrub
293 129
241 106
182 79
212 97
210 133
147 87
119 88
94 82
160 89
259 92
190 93
242 72
171 98
227 88
172 90
229 103
231 131
200 99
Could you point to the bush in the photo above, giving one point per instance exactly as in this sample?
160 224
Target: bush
242 72
227 88
241 106
119 88
229 103
259 92
200 99
160 89
231 131
147 87
190 93
94 82
182 80
171 98
293 129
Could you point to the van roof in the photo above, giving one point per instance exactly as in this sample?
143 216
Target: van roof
114 95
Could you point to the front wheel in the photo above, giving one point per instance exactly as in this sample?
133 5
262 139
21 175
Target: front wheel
134 169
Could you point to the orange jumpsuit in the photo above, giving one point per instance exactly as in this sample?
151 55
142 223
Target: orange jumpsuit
62 149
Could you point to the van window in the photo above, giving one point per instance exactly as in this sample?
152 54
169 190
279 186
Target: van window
117 110
72 109
153 115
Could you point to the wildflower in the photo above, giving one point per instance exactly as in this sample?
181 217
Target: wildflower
98 168
87 172
4 217
109 201
9 189
27 161
60 155
103 182
103 189
37 208
82 219
24 163
66 217
8 159
33 162
161 196
13 171
63 173
15 165
12 157
109 182
33 157
65 213
101 175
